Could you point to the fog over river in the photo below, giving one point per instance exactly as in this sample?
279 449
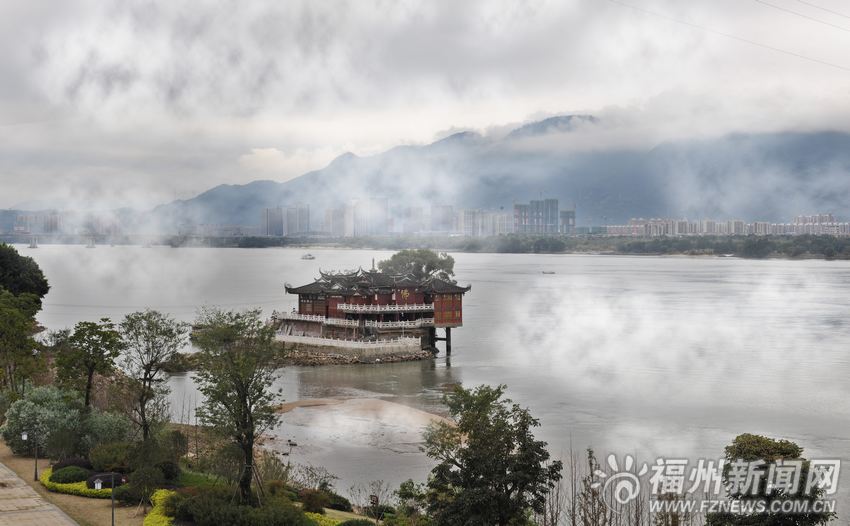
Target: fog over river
653 356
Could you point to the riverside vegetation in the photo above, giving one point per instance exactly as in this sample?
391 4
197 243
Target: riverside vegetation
93 400
754 247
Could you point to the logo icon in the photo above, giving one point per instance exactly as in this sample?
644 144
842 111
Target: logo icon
621 485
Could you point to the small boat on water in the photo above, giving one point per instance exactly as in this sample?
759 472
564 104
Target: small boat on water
548 271
308 256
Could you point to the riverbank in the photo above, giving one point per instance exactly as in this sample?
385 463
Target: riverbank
750 246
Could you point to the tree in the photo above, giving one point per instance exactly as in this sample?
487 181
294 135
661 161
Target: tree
19 352
421 263
235 374
749 448
150 339
490 469
21 275
92 348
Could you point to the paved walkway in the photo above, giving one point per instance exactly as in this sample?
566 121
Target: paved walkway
20 505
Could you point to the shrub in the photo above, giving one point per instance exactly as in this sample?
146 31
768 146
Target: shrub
321 520
69 474
145 481
159 515
106 480
314 500
77 488
377 512
213 508
175 444
357 522
101 428
125 494
44 411
170 470
80 462
111 456
279 488
337 501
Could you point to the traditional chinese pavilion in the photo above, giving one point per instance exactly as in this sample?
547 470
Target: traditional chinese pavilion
372 305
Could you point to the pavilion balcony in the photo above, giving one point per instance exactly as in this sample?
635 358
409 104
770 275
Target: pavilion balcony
408 324
341 322
413 307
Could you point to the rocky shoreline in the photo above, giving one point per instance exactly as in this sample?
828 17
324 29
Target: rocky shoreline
313 358
186 362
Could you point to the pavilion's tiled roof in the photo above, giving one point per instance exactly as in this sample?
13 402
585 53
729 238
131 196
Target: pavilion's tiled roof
366 282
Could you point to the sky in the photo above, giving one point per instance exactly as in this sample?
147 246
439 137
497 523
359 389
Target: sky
134 103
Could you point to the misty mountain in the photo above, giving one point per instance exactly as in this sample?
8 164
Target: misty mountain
768 177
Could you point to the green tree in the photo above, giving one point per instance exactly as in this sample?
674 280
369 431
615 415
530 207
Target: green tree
749 448
21 275
490 469
92 348
421 263
150 339
235 375
19 352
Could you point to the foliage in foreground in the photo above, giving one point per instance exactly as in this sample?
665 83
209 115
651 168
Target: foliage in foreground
56 420
749 447
237 365
490 469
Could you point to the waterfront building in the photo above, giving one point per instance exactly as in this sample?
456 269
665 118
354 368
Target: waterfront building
373 305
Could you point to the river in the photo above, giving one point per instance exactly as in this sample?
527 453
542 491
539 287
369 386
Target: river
652 356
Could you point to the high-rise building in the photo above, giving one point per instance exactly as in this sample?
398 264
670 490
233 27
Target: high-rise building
271 222
568 222
335 221
297 220
537 217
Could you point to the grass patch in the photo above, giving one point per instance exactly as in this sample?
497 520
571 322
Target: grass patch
197 479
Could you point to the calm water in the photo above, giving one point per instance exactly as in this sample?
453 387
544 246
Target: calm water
651 356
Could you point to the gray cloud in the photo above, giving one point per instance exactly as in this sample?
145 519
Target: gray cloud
135 102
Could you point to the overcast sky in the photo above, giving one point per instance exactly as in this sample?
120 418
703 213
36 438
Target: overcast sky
116 103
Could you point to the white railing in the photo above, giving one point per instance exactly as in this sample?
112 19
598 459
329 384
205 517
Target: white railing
349 344
407 324
341 322
302 317
413 307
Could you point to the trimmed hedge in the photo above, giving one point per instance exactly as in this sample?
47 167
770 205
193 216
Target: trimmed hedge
69 475
321 520
77 488
80 462
356 522
157 516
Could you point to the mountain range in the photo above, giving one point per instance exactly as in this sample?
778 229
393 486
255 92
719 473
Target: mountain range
770 177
